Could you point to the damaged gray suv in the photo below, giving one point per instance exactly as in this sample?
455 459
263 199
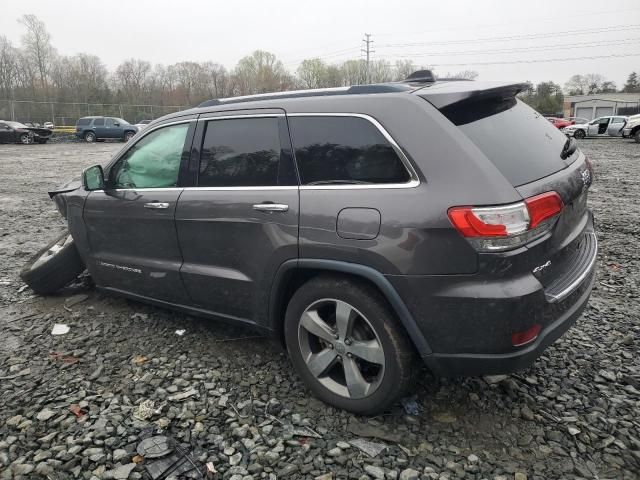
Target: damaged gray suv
366 227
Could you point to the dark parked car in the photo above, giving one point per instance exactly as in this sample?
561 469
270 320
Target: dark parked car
364 226
91 129
16 132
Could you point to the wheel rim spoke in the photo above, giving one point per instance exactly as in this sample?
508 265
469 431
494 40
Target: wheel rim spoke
369 350
312 322
356 384
344 318
320 362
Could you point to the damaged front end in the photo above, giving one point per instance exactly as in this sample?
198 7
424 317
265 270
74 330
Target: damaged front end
58 197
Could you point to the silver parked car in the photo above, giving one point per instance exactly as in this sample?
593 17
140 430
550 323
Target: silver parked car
611 126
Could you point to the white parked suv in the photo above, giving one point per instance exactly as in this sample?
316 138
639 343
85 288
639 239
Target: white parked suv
611 126
632 128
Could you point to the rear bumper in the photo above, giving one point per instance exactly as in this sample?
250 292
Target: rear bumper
491 364
469 320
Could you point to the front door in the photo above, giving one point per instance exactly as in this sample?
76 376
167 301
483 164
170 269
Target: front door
599 126
241 222
131 225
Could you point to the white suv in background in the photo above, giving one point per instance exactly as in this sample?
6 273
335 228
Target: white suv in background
611 126
632 128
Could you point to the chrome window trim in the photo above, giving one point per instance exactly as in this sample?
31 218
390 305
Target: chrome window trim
234 117
414 179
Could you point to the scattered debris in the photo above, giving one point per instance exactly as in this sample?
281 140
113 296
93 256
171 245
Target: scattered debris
60 329
493 379
146 410
301 431
371 431
140 359
75 300
180 332
77 410
170 459
444 417
410 405
372 449
22 288
59 357
181 396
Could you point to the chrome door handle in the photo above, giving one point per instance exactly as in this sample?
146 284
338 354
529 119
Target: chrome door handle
271 207
156 205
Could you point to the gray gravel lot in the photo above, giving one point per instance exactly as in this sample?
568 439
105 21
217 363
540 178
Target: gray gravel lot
236 402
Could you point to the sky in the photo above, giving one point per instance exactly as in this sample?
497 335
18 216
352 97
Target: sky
486 36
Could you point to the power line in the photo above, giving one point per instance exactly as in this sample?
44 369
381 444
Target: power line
532 36
548 60
605 43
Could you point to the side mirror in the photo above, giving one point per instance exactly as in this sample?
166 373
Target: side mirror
93 178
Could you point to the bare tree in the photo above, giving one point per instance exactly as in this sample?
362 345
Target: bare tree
312 73
36 43
8 67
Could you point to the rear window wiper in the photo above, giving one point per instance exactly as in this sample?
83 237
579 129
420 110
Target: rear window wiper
570 146
339 182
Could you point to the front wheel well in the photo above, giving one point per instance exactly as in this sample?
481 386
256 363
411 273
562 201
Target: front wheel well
635 129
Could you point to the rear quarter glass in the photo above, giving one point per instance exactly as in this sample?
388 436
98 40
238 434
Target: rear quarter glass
520 142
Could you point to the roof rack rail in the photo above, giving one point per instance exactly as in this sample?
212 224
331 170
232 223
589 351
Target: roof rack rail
420 76
353 90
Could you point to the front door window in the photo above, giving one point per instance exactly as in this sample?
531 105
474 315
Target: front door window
152 162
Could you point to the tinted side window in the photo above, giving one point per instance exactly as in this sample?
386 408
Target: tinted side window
152 162
110 122
241 152
84 121
344 150
98 122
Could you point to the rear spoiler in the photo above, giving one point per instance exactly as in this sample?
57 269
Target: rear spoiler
445 94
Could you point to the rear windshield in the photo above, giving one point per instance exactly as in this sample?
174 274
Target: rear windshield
520 142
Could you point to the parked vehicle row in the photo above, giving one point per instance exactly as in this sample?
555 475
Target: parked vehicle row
16 132
364 226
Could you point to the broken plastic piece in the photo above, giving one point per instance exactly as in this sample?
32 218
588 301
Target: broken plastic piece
180 332
60 329
372 449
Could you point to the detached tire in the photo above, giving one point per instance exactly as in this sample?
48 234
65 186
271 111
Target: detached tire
347 345
53 267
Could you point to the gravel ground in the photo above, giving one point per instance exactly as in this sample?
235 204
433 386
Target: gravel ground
70 405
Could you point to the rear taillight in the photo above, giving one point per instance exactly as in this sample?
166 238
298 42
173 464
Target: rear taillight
507 226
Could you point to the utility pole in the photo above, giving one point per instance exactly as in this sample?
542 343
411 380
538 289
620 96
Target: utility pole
367 41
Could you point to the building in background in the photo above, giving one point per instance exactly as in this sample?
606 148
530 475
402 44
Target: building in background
601 104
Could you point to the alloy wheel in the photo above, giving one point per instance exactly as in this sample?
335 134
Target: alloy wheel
341 348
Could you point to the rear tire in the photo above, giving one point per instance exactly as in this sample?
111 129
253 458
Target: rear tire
328 353
89 137
636 136
54 266
128 136
579 134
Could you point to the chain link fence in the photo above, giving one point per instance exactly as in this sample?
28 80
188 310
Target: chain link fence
67 114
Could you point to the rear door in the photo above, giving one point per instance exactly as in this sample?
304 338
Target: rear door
99 127
6 133
130 224
241 221
616 126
